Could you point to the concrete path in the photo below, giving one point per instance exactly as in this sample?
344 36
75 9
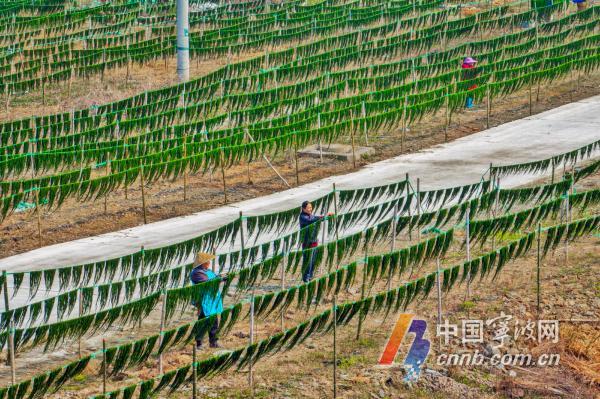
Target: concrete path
462 161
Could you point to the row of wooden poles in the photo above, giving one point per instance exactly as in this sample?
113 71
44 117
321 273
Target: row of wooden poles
249 138
565 215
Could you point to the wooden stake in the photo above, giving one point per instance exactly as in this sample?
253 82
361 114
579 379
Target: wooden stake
128 60
393 244
39 216
353 146
408 208
320 143
488 107
242 241
362 296
80 314
530 101
335 209
439 291
334 347
143 194
418 213
7 93
222 155
194 372
567 214
447 101
468 244
282 313
9 357
37 194
104 367
495 209
11 351
296 159
250 364
107 173
364 115
185 171
403 133
539 258
162 328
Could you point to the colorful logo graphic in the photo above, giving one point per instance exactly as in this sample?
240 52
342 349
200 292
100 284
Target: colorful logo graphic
415 358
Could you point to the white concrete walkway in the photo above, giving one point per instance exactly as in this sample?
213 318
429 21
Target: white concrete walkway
460 162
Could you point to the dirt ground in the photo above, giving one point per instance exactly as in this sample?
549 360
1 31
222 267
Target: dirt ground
569 293
19 232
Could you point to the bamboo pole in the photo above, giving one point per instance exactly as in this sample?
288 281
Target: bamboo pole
222 156
143 194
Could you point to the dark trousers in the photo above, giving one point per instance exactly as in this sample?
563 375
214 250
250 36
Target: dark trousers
308 264
212 333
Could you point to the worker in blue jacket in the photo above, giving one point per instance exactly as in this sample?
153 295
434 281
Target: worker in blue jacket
212 303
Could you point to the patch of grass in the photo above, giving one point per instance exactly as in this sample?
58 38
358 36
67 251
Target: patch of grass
80 378
467 306
367 342
352 360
